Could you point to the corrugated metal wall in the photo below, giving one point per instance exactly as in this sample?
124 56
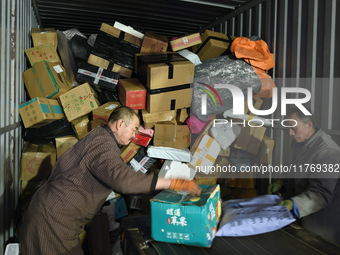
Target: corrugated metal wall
303 35
17 18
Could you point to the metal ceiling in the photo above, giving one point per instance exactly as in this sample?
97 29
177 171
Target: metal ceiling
165 17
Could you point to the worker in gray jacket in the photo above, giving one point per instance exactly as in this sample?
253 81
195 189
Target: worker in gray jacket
314 195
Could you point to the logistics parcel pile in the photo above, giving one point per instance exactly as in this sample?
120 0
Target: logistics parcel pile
153 76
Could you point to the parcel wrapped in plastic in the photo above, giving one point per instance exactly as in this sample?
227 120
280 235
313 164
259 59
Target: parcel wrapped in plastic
182 155
252 216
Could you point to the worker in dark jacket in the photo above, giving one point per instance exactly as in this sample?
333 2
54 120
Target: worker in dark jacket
79 184
314 196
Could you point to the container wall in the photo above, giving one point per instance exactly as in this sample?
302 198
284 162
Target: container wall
303 35
16 20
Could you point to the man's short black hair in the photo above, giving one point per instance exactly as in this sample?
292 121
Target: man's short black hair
123 112
304 118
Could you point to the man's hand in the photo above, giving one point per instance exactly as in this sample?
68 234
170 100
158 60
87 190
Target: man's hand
191 186
274 187
286 203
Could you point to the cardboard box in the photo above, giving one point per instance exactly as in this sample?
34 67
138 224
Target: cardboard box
182 115
96 122
104 111
132 93
129 151
109 65
98 76
184 219
79 101
40 111
168 99
142 140
174 136
157 71
154 43
266 150
257 103
204 153
42 52
41 36
249 139
37 161
186 42
64 143
46 79
81 126
165 117
115 32
206 180
214 45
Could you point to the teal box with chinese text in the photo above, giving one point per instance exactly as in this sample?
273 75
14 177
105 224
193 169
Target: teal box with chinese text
184 219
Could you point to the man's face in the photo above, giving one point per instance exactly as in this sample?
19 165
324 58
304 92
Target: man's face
302 131
126 132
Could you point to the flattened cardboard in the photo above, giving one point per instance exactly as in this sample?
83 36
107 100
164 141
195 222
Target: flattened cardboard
79 101
132 93
46 79
39 111
174 136
37 161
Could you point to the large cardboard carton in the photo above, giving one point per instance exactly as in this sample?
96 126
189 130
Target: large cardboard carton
41 36
46 79
214 45
174 136
150 119
42 52
132 93
264 154
250 139
39 111
154 43
81 126
185 219
79 101
104 111
157 71
64 143
27 189
174 98
37 161
204 153
185 42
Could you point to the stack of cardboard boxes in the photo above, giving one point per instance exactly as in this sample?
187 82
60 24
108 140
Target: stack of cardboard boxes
148 75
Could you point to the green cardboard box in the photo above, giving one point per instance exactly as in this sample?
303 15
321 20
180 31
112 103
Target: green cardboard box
177 218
